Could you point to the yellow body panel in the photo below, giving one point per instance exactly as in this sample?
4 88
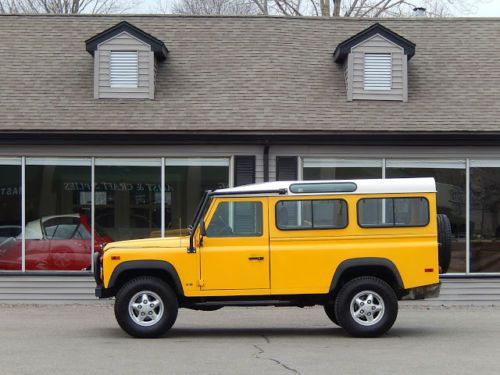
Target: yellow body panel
295 261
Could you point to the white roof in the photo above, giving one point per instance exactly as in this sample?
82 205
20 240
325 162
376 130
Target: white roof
372 186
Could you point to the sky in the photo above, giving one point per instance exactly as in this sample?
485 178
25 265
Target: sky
483 8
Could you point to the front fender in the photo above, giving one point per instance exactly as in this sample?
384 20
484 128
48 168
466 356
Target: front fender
145 265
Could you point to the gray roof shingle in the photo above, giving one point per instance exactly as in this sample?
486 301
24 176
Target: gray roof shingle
248 73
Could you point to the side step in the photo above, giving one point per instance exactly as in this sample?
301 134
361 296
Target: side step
202 305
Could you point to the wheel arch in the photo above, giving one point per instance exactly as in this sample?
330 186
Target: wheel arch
134 268
378 267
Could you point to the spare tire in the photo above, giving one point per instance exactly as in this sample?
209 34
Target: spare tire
444 242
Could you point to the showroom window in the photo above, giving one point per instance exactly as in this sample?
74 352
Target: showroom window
341 169
185 182
119 198
10 215
128 198
484 216
58 214
450 176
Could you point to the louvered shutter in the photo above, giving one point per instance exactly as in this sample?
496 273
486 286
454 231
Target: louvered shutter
286 168
124 69
378 71
244 170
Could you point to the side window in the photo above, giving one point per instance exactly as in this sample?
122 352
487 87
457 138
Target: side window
236 219
311 214
393 212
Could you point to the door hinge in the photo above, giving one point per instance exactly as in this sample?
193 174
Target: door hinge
201 283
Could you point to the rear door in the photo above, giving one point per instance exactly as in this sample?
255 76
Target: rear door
235 250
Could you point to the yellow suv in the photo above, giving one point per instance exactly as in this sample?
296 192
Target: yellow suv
354 247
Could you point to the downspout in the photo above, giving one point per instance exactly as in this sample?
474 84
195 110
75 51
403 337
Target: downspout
266 161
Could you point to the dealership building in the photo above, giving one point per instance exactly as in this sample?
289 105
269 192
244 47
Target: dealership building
112 127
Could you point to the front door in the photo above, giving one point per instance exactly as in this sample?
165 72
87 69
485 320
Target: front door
235 250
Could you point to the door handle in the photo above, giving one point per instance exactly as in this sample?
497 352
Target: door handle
256 258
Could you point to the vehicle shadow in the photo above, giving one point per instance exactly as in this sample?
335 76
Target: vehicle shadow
268 333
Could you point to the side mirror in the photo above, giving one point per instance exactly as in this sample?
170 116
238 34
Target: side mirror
203 229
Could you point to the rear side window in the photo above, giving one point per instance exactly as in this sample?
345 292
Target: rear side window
311 214
393 212
236 219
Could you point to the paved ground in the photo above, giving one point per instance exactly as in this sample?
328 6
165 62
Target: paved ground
85 339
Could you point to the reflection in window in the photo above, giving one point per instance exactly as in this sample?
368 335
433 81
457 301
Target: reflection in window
57 210
393 212
450 184
341 169
186 180
485 219
236 219
10 217
128 199
311 214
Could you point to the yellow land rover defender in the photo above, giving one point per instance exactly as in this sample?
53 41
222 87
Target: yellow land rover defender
355 247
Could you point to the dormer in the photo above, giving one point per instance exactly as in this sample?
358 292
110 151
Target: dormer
125 62
375 63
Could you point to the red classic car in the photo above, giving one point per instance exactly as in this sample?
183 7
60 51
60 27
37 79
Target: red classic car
55 243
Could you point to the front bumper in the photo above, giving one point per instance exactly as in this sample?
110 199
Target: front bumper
423 292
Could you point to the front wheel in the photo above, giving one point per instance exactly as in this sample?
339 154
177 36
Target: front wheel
146 307
366 307
330 312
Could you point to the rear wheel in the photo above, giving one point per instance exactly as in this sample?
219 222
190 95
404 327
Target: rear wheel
366 307
146 307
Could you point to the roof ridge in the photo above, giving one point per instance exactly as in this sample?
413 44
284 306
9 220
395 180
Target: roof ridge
312 18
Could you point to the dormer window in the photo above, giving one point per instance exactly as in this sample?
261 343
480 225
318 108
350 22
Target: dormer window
124 69
375 64
125 62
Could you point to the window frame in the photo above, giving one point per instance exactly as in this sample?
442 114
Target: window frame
312 214
393 225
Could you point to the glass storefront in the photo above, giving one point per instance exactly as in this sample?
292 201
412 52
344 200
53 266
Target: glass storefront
54 231
475 249
125 202
186 180
10 215
450 181
484 216
341 169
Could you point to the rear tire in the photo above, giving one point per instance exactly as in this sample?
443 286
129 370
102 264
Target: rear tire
366 307
444 241
146 307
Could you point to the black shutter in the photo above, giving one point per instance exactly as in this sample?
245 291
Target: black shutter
244 170
286 168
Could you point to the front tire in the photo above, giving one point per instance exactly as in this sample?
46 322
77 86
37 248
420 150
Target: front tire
146 307
366 307
330 312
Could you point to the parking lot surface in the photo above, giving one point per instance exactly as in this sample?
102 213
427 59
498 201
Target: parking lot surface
85 339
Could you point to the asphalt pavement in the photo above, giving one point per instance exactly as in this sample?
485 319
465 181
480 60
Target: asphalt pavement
85 339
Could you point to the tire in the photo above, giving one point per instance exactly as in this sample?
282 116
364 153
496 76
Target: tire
330 312
146 320
444 241
383 302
